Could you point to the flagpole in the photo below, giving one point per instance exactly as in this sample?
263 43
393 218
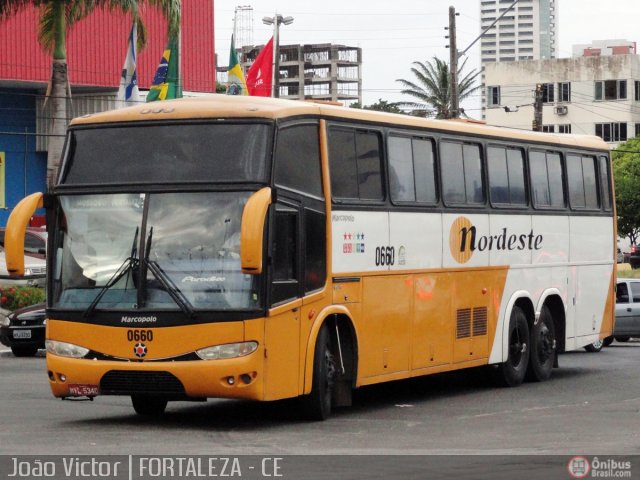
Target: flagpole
275 65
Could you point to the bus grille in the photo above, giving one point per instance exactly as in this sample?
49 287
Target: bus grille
125 382
479 321
463 324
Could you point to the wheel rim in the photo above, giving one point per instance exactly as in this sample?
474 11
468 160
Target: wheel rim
329 378
545 344
598 344
517 347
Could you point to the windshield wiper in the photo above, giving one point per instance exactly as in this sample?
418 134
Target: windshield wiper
174 292
129 264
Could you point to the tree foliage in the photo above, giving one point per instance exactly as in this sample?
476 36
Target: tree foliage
380 106
626 177
432 87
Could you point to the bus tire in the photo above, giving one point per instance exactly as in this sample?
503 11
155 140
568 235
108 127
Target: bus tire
595 346
543 347
148 406
622 339
317 405
607 341
511 373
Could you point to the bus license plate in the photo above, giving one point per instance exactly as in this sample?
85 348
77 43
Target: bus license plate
22 334
82 390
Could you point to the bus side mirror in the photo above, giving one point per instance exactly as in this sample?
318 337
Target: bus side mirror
252 231
16 231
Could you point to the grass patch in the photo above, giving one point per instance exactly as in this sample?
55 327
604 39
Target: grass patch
625 271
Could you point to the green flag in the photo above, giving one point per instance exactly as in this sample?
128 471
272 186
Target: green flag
166 83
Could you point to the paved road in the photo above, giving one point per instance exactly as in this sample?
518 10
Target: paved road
590 406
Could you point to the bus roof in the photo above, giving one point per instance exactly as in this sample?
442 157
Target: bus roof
231 106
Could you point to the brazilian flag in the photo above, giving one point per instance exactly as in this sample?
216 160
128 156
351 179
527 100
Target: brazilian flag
237 84
166 84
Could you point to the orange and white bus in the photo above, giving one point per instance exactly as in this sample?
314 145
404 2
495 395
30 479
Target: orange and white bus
254 248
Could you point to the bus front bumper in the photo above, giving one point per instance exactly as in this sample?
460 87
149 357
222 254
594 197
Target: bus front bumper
228 378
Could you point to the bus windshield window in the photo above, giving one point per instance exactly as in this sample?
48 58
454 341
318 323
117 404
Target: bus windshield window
174 153
192 238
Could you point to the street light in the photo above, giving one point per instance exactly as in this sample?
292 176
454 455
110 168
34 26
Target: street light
276 21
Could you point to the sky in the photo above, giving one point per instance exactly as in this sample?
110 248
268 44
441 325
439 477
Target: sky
393 34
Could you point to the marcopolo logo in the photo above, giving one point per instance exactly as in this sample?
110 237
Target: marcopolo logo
465 239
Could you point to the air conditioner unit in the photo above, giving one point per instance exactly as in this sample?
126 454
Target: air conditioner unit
561 110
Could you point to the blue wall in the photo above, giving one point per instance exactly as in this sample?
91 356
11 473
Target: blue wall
26 169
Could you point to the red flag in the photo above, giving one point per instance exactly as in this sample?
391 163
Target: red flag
259 77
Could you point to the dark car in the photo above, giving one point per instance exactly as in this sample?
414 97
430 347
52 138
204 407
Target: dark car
35 241
24 330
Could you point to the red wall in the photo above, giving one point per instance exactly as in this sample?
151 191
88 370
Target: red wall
96 48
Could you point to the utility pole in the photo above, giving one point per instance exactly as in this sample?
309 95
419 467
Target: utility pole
453 65
537 109
276 21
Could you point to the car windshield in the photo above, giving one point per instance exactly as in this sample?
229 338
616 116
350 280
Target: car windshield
192 243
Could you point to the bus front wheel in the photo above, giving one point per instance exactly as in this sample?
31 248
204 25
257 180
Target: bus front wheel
543 347
317 405
149 406
511 373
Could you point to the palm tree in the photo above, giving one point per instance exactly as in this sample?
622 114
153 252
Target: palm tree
56 16
433 86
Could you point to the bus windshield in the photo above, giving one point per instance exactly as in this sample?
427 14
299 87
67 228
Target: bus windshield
171 153
191 240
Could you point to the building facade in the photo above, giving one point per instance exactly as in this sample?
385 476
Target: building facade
319 72
529 31
593 95
96 48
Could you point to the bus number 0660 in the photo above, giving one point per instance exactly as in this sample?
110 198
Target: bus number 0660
385 256
139 335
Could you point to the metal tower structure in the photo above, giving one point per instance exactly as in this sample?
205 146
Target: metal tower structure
243 26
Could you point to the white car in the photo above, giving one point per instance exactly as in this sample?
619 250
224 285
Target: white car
35 272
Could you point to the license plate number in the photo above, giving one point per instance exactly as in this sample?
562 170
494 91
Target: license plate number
81 390
22 334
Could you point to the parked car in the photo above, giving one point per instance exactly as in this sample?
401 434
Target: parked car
24 330
35 272
35 242
620 256
627 314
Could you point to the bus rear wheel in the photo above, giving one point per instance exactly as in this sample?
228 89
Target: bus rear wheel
543 347
149 406
317 405
511 373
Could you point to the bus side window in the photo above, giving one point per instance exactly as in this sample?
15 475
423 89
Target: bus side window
355 160
297 159
284 255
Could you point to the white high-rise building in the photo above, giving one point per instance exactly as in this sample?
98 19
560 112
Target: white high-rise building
529 31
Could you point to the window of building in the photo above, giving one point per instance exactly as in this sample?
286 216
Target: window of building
549 128
564 92
565 128
637 129
611 90
547 185
583 187
355 160
506 176
412 169
493 96
612 132
461 166
637 90
548 93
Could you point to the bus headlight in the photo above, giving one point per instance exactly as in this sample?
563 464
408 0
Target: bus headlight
229 350
64 349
